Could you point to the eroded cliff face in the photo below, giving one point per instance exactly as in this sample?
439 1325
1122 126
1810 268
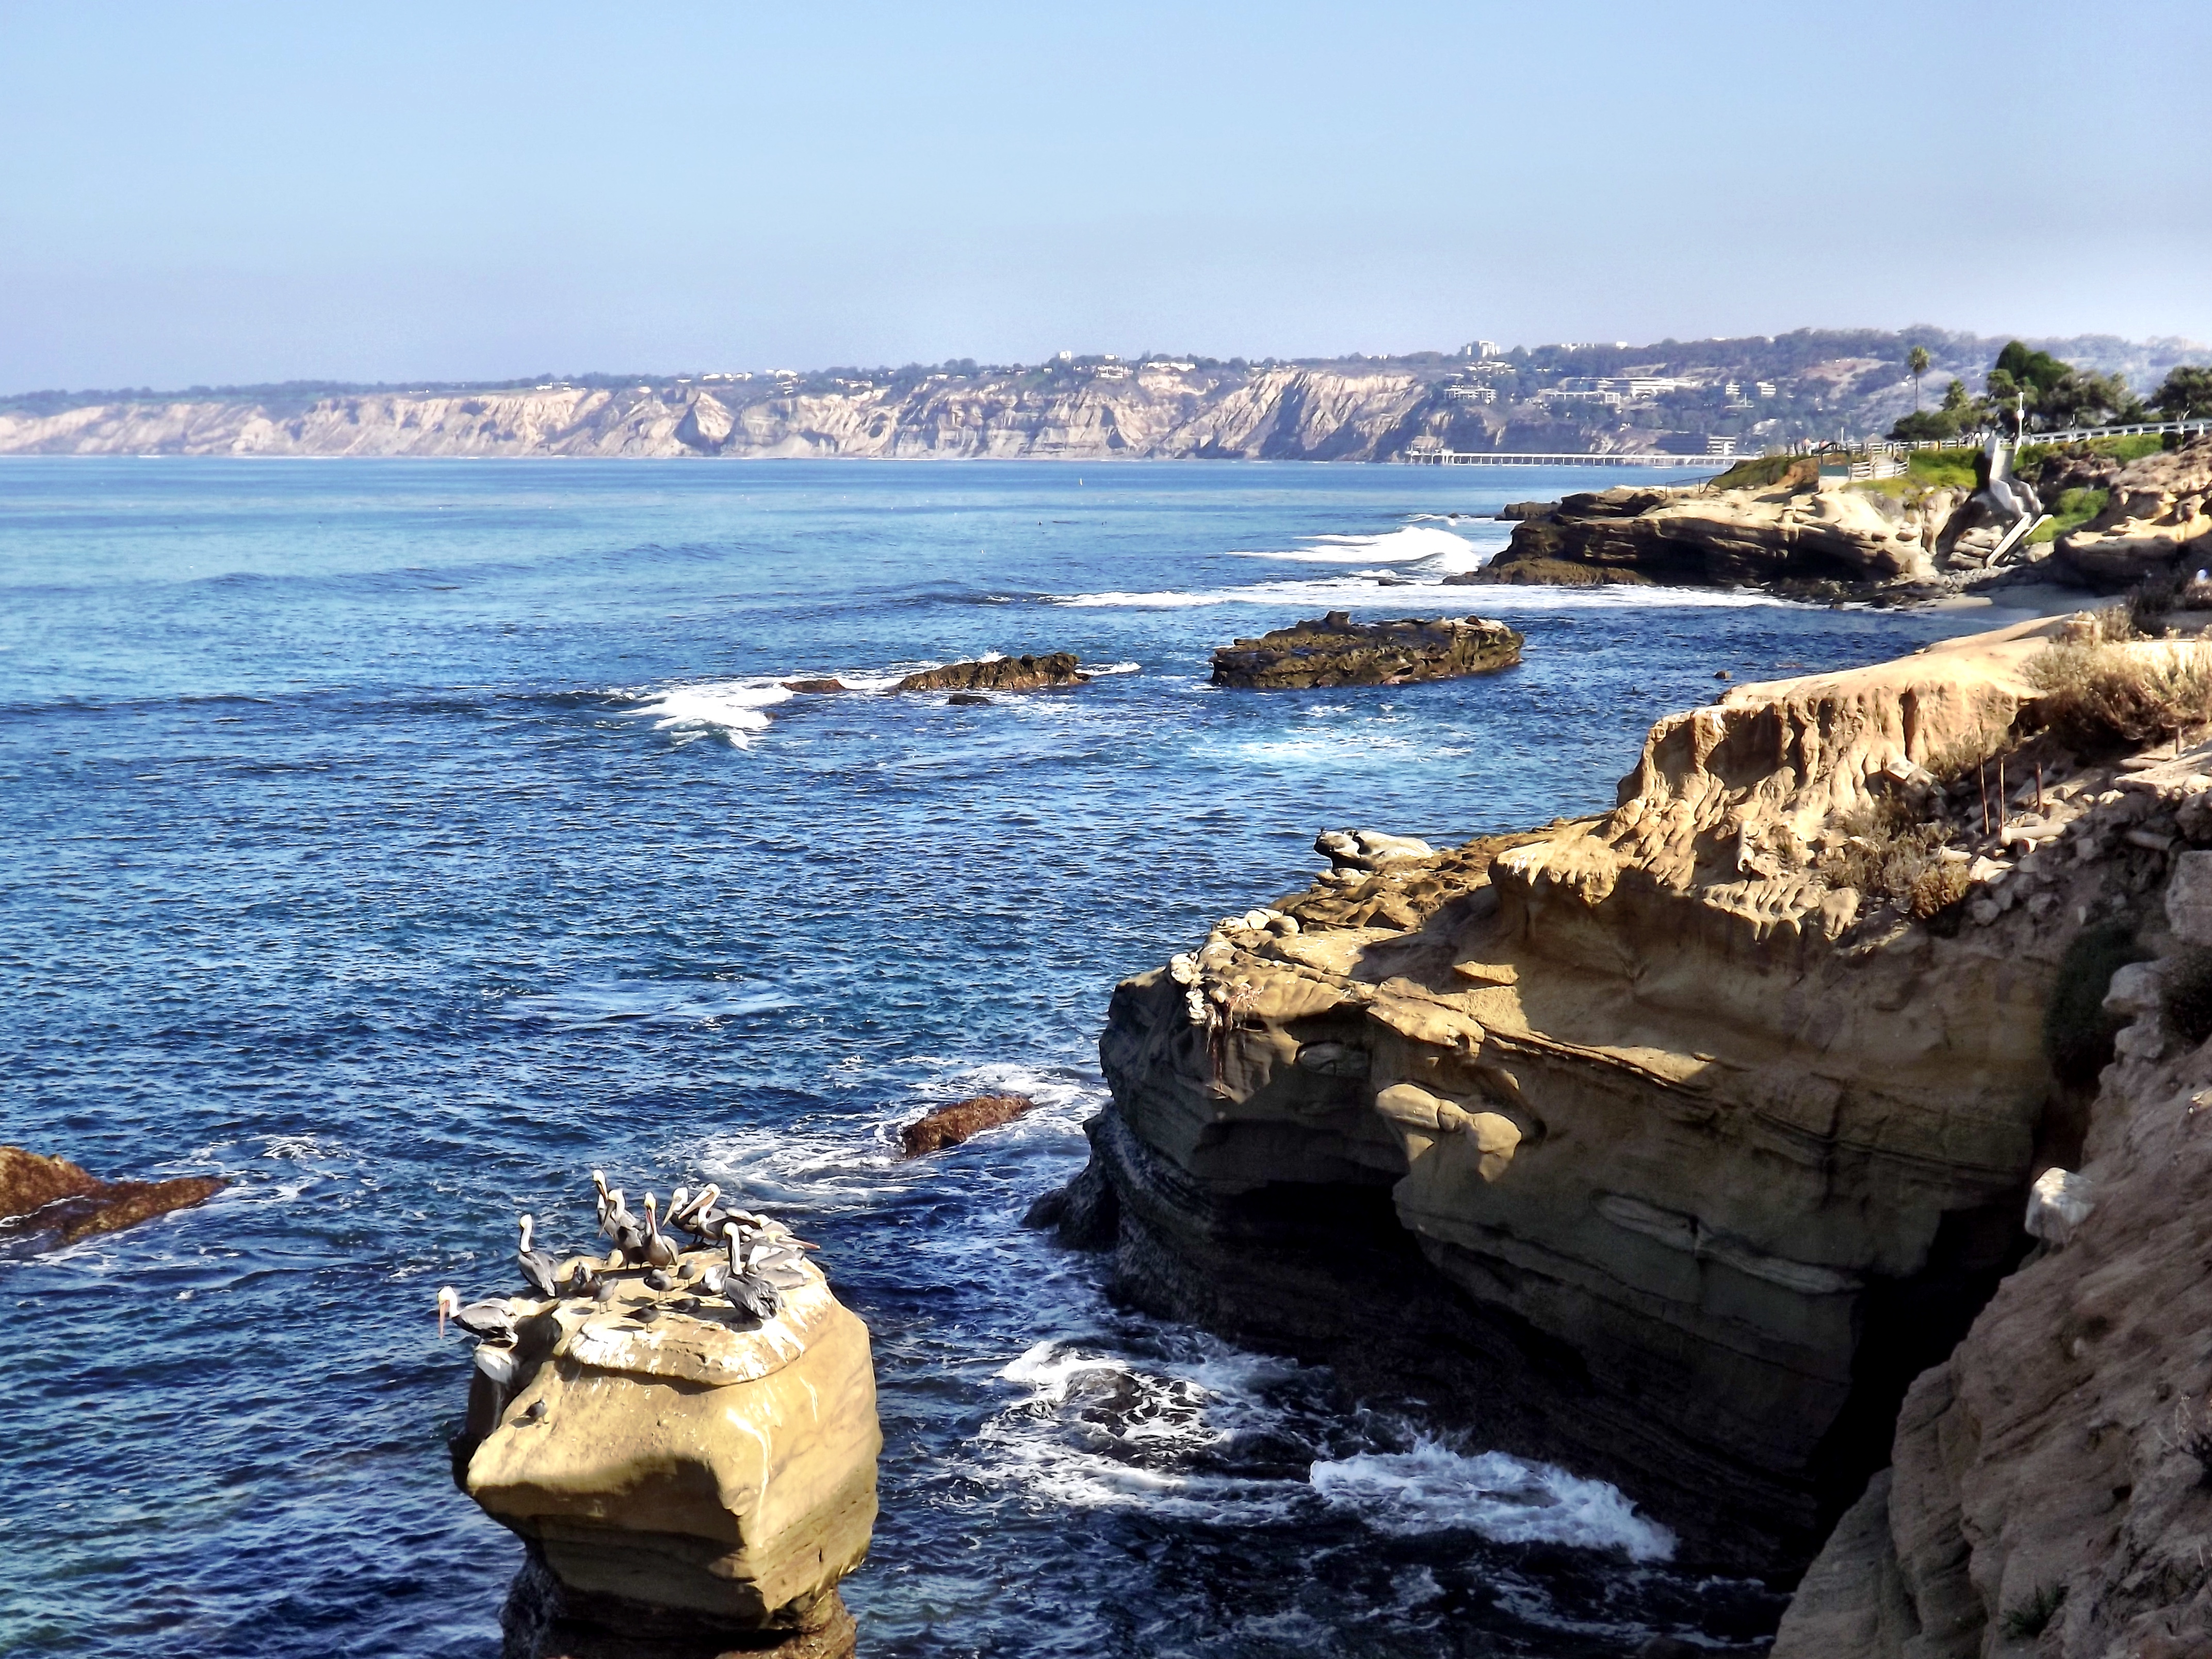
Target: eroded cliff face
1635 1141
2051 1492
1285 413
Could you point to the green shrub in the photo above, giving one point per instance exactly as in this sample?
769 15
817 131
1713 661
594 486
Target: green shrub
2032 1617
2073 509
1942 468
2077 1032
2188 994
1762 472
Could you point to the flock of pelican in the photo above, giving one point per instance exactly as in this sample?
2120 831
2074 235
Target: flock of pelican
751 1252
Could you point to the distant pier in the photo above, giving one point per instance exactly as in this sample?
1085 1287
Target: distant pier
1499 457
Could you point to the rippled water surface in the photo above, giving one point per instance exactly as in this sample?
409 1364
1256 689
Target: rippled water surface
400 841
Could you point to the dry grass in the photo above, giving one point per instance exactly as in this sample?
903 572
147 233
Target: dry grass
1889 856
2097 697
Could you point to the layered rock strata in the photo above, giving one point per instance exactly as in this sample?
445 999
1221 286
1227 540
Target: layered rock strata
655 1450
1023 673
1641 1141
1700 537
2052 1488
55 1201
1338 651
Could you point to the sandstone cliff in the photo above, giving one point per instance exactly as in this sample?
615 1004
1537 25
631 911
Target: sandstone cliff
1649 1142
2053 1485
1278 413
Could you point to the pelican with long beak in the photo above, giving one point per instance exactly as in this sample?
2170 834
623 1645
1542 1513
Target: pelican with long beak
538 1269
659 1251
486 1320
752 1294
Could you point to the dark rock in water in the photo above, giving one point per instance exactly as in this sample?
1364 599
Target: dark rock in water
1338 651
1047 1211
948 1125
1000 674
1514 511
968 697
546 1618
817 686
42 1196
1101 1394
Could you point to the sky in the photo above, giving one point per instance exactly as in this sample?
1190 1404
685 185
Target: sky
219 193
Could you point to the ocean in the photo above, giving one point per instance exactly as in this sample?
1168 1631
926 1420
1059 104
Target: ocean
400 841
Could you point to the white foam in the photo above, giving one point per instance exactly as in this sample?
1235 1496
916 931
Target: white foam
1407 546
1432 1488
735 709
1421 592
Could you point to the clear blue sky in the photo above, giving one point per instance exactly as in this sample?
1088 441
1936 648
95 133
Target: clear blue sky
232 192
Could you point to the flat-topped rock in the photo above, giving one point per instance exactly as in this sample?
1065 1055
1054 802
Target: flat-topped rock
1334 650
1026 673
657 1449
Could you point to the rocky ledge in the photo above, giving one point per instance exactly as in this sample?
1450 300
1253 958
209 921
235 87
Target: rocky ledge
1797 531
678 1472
999 674
1673 1143
1338 651
51 1200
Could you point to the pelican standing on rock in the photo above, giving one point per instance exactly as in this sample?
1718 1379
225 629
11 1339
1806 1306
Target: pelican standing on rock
754 1295
488 1320
659 1251
541 1272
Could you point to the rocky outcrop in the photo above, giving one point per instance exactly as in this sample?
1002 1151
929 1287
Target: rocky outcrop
51 1200
2152 520
655 1449
1703 537
2052 1482
1338 651
999 674
963 1120
1646 1141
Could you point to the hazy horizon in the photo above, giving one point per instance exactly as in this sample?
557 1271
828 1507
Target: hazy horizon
244 194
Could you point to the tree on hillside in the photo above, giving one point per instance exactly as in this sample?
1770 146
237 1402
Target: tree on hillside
1957 400
1915 365
2186 394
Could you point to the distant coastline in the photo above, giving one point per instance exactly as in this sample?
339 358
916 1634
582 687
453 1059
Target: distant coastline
1675 397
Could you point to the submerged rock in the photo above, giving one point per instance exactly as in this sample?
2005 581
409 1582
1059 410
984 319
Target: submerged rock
656 1449
948 1125
999 674
819 688
41 1196
1335 650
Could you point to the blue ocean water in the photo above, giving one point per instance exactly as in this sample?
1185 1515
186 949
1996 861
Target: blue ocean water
400 841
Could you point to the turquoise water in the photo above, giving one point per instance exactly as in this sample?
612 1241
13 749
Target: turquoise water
400 841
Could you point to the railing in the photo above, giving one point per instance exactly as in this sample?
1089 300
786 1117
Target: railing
2072 434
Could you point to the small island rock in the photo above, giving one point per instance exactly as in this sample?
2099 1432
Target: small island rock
948 1125
43 1196
1338 651
1025 673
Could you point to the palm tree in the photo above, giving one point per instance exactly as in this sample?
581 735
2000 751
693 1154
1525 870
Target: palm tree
1916 364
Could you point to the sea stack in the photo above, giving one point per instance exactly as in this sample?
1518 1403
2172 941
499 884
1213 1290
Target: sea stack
1335 650
684 1478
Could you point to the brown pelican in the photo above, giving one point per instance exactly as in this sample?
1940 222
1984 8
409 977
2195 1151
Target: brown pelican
752 1294
659 1251
538 1269
486 1320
